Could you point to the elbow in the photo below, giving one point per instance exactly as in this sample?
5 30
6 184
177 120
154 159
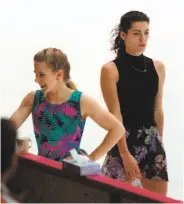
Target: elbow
159 118
123 131
159 114
119 131
116 133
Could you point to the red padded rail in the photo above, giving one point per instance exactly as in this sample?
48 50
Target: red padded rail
105 180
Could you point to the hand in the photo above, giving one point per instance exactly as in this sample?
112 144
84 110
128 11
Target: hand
68 157
91 158
131 166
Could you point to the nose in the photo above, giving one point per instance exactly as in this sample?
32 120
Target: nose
36 80
143 38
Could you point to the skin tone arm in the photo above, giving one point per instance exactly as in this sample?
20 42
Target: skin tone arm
89 107
158 112
23 111
109 78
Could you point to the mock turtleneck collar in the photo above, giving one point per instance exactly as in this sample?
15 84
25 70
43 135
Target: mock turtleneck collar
138 62
133 56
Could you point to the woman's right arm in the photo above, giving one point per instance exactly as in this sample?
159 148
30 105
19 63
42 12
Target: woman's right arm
108 80
24 110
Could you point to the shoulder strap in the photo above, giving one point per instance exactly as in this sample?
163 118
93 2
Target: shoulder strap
39 97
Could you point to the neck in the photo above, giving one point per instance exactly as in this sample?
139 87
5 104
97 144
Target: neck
133 53
60 94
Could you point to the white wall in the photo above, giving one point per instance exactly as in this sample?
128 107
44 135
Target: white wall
82 30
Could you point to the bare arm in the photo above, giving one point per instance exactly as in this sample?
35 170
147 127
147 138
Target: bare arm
109 78
24 110
89 107
158 111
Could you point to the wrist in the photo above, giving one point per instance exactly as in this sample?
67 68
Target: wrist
124 154
92 157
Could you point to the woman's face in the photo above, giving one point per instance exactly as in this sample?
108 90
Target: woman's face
137 37
46 78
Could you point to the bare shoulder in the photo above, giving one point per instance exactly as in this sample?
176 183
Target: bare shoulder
109 66
87 100
89 106
30 95
109 69
28 99
159 66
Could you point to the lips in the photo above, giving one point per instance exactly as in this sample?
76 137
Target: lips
43 87
142 45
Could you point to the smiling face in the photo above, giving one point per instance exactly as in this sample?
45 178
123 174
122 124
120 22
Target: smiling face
46 78
137 37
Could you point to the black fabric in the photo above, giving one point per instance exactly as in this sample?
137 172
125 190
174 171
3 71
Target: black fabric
137 88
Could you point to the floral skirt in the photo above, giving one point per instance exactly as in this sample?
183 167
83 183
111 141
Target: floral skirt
146 146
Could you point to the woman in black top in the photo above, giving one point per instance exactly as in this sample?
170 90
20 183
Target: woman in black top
132 87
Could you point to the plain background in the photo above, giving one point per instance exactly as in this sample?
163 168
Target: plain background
82 30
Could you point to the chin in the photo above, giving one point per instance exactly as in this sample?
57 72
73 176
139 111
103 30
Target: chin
141 49
45 91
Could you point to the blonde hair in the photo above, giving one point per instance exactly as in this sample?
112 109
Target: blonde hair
56 60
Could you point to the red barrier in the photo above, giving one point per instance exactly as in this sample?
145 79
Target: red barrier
105 180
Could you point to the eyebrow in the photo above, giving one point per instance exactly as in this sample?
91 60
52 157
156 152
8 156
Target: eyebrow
139 30
39 72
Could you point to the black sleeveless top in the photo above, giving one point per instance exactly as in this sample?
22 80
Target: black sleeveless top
137 88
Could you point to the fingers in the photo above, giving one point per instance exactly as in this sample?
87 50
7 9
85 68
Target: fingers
68 157
138 173
133 173
129 173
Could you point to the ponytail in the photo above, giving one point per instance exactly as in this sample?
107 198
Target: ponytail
121 51
118 44
70 84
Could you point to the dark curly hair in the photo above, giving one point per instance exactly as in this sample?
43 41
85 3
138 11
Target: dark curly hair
118 44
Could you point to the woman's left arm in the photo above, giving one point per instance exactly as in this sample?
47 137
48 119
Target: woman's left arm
158 111
115 130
